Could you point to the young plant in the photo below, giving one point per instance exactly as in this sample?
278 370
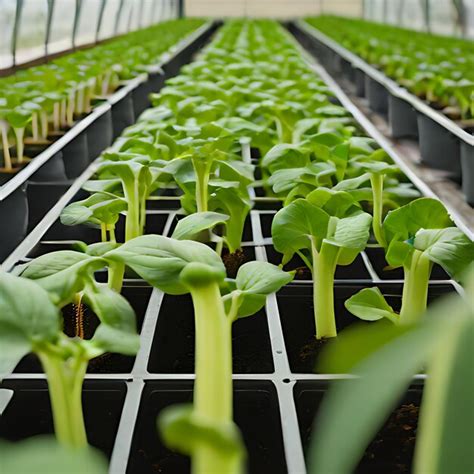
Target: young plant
384 358
30 321
326 229
205 431
418 235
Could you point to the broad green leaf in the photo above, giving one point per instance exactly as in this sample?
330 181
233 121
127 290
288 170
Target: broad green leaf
261 278
370 305
294 225
184 430
450 248
422 213
160 260
118 329
192 226
45 455
27 314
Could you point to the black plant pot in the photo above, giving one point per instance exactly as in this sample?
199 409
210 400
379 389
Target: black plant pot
137 296
256 413
402 118
123 114
360 83
377 95
29 412
156 81
76 156
348 70
99 135
141 99
392 449
14 217
42 196
53 170
439 148
467 166
173 343
295 304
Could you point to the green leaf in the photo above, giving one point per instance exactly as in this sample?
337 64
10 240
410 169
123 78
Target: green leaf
160 260
293 226
192 226
27 314
62 273
184 430
422 213
118 329
370 305
354 409
450 248
45 455
261 278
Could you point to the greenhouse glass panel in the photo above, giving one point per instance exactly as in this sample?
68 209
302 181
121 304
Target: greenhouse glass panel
412 15
134 20
147 12
107 25
32 31
470 20
442 17
7 20
158 12
125 12
87 24
62 24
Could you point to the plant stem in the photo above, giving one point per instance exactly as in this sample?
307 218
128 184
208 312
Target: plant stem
7 161
103 232
213 386
19 133
132 222
376 181
56 116
116 274
34 126
324 267
415 288
44 124
65 379
202 168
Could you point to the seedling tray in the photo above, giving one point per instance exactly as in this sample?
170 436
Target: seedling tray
276 395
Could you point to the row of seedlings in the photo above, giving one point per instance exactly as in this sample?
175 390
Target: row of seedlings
193 145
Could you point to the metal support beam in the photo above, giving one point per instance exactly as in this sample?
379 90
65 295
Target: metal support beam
48 25
76 21
99 20
16 28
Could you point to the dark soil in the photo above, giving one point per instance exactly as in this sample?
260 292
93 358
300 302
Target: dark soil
391 452
310 351
233 261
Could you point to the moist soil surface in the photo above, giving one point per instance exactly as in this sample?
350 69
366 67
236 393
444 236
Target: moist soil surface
233 261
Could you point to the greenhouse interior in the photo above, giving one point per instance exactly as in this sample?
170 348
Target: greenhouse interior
237 236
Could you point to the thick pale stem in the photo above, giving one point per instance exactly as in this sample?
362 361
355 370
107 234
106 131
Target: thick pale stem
65 388
44 124
116 274
34 127
132 223
19 134
103 232
415 288
376 181
213 370
202 168
324 267
70 110
7 161
56 116
63 112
